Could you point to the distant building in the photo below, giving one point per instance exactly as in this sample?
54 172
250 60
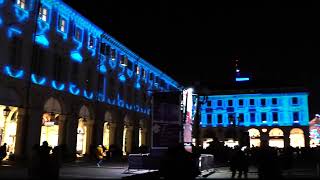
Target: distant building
279 117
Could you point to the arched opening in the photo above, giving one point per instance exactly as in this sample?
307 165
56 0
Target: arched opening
276 138
297 138
8 127
50 122
142 133
84 131
108 131
254 135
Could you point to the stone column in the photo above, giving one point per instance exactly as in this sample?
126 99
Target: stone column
286 138
33 131
129 138
71 133
62 129
18 151
112 132
89 125
306 134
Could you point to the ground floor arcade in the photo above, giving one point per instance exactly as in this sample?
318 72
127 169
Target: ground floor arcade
71 121
282 136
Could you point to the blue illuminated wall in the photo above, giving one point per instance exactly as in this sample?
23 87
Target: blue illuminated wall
78 49
278 109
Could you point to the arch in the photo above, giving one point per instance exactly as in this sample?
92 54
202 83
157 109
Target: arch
127 135
276 138
297 137
52 105
254 133
8 128
275 132
10 97
84 112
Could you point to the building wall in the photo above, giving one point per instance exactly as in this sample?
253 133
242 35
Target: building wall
40 60
261 111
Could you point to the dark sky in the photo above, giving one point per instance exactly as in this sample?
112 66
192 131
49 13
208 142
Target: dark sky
278 44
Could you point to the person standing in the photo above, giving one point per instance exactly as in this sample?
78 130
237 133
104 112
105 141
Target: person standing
99 155
3 152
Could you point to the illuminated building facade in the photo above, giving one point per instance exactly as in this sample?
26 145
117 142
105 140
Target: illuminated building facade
66 81
279 117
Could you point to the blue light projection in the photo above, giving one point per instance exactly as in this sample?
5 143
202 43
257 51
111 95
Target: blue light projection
1 21
137 85
111 101
102 64
86 95
21 14
75 54
12 31
92 48
283 109
1 2
18 74
122 78
73 89
59 87
39 81
43 27
112 63
239 79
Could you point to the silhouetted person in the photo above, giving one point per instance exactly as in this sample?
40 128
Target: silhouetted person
34 166
3 151
99 155
268 167
44 153
55 163
239 162
179 163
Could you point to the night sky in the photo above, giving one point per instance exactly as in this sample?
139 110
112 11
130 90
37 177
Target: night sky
278 44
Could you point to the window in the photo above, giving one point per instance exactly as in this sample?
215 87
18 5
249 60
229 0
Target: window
91 41
62 24
209 119
103 48
219 103
151 77
295 100
252 117
144 73
263 102
100 81
137 69
240 118
296 117
275 116
21 4
219 118
129 64
240 102
251 102
209 103
43 14
113 54
263 117
78 34
231 118
38 65
274 101
230 102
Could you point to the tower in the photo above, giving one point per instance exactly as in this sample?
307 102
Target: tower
238 75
